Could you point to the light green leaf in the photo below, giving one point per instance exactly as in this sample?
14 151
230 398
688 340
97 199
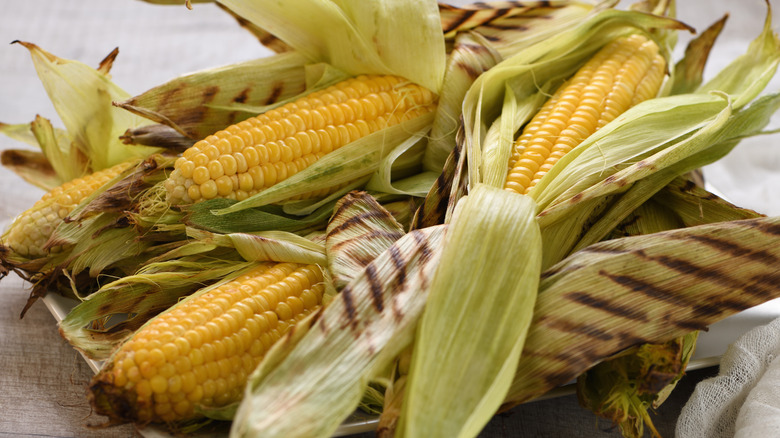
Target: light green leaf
358 37
476 318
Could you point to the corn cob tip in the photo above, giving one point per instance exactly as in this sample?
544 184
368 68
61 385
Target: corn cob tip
28 234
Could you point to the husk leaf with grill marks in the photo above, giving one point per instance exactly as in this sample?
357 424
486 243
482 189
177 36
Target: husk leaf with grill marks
471 56
308 390
446 191
696 206
358 232
512 25
201 103
644 178
493 272
644 289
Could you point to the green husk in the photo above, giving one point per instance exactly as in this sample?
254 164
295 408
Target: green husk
491 273
249 220
471 56
83 96
689 71
277 246
646 176
141 296
358 37
309 389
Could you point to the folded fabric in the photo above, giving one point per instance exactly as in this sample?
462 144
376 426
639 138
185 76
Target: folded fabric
743 397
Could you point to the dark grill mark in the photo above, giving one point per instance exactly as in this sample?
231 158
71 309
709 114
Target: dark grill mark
469 69
276 91
506 27
768 228
608 306
349 306
243 96
464 17
398 263
644 288
376 288
267 39
736 250
209 93
422 243
582 329
400 267
357 220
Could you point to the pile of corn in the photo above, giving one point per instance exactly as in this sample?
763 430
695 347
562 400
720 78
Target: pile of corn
341 248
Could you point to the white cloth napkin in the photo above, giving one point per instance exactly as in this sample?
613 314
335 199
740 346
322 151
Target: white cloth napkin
743 400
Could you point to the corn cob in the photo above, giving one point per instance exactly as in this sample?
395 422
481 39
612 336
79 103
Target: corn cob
201 351
29 233
255 154
622 74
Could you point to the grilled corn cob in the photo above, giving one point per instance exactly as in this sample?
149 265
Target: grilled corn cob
28 234
248 157
200 352
622 74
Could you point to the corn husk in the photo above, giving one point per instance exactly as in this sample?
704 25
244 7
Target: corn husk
446 191
308 390
471 56
358 37
359 230
493 272
689 71
201 103
512 26
516 82
107 317
695 206
32 166
644 289
82 97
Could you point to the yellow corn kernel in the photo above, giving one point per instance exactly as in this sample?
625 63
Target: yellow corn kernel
180 360
622 74
273 146
28 234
